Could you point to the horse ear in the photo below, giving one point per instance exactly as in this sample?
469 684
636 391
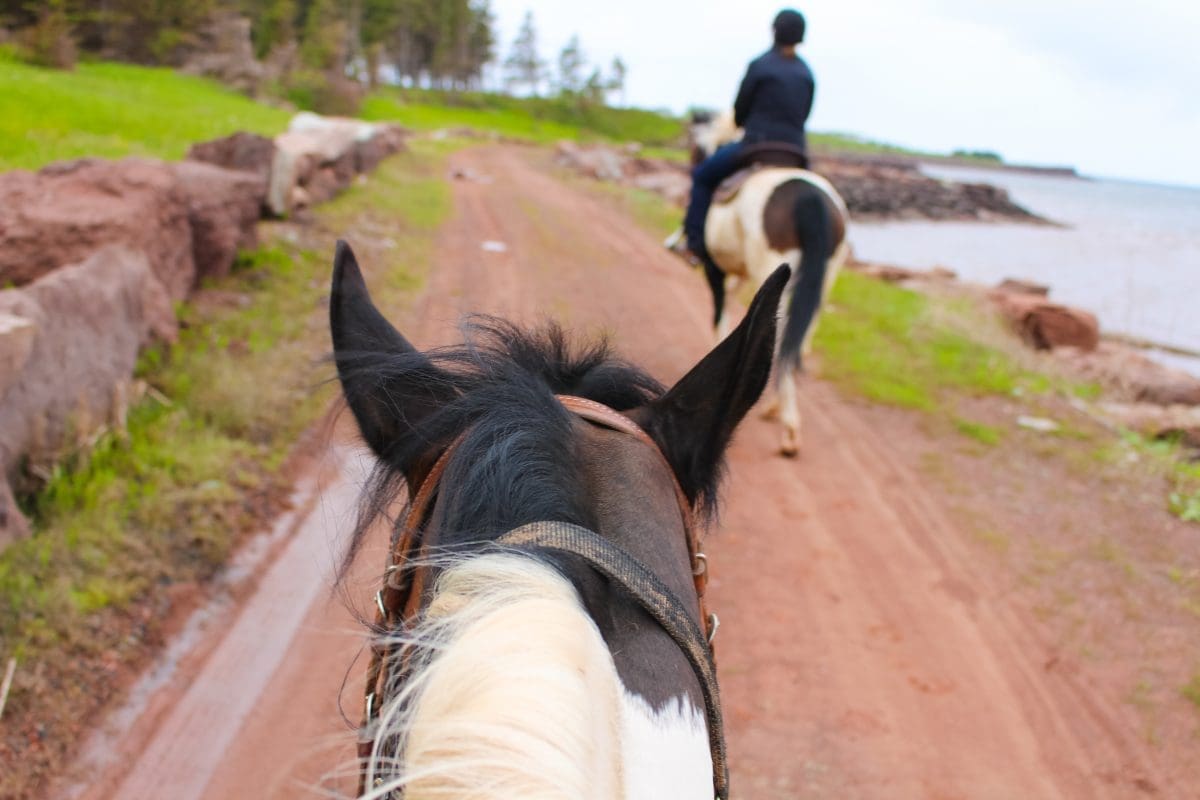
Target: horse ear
694 421
365 350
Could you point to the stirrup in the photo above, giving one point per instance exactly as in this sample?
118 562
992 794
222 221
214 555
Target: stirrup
675 242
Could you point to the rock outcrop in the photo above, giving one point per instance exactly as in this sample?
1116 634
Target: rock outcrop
63 213
73 338
1045 325
248 152
99 251
224 206
873 188
317 157
883 189
1132 377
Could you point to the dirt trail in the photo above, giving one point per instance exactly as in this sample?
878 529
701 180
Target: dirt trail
862 655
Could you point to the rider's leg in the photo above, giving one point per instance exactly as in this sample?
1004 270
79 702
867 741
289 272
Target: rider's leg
707 175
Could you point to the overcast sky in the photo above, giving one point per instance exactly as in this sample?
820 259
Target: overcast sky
1111 88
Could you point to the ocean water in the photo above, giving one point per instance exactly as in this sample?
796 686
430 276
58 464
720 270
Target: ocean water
1128 252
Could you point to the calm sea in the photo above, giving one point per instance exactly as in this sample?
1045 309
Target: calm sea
1130 252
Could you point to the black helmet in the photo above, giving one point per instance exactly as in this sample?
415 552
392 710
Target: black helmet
789 27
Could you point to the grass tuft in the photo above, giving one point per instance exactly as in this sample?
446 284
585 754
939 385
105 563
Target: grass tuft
1191 690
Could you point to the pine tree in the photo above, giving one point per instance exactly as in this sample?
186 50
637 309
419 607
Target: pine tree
617 73
524 67
571 62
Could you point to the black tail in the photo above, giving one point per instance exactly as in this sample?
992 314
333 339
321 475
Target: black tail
815 232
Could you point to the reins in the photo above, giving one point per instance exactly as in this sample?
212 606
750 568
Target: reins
398 602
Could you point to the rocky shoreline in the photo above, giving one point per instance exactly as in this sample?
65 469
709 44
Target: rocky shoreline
1137 393
874 188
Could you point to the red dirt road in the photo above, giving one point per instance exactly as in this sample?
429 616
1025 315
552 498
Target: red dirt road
862 653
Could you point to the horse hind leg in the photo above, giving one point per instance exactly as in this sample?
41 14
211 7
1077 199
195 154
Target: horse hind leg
789 413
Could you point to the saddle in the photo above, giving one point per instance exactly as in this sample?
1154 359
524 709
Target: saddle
754 157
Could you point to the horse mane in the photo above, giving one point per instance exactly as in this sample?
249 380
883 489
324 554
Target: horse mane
511 692
515 464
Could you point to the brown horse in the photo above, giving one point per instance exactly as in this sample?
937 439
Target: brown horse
541 628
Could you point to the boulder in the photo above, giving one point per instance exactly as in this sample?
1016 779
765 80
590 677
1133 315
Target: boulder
1045 325
85 325
598 161
224 206
242 151
1132 376
1157 421
385 141
16 342
317 157
63 213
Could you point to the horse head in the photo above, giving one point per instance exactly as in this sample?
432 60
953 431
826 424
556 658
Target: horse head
525 455
707 131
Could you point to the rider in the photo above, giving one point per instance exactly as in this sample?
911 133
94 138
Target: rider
772 104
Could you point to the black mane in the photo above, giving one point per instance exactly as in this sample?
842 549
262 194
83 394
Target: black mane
515 463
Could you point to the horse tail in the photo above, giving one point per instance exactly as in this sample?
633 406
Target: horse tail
815 227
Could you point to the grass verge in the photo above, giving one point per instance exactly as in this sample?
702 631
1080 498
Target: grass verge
887 344
534 119
148 513
111 110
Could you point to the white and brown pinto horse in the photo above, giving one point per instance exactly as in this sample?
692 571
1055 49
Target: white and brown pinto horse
778 215
541 631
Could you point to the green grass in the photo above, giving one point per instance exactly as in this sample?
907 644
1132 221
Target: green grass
883 342
1184 499
113 110
1164 458
984 434
1191 690
539 120
834 143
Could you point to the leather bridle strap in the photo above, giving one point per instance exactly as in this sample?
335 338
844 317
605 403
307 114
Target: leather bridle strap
655 598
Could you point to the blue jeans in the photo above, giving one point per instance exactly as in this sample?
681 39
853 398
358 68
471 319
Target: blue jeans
707 175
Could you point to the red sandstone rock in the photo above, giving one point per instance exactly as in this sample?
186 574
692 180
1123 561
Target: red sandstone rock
224 207
1045 325
242 151
63 213
84 326
1132 376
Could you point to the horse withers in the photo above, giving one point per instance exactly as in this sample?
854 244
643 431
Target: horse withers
541 630
777 215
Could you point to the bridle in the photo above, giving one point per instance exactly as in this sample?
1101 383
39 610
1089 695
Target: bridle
398 602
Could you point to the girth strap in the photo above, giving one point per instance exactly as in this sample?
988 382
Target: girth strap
653 596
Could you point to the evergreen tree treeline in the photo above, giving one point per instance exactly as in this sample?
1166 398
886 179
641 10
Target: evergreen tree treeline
316 44
441 43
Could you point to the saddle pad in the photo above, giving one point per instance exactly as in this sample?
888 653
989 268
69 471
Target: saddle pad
728 189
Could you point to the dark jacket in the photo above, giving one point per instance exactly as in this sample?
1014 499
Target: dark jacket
775 99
